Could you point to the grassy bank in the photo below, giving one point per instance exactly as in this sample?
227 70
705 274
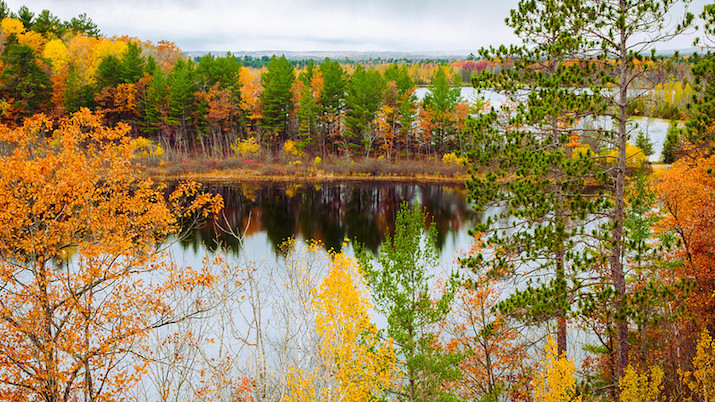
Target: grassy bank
303 169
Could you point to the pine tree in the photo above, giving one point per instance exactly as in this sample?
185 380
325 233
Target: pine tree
311 87
277 82
332 102
533 174
131 65
441 98
603 39
671 145
644 142
399 282
615 32
108 73
363 99
405 104
23 79
700 127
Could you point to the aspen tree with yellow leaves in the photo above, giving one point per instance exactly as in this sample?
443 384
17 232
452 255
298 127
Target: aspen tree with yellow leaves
359 363
555 382
638 386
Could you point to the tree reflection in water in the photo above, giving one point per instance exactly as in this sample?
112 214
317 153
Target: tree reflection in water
329 212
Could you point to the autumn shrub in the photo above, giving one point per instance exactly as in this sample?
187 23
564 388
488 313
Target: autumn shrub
290 147
555 382
452 158
273 169
635 158
245 147
383 167
316 162
148 151
638 386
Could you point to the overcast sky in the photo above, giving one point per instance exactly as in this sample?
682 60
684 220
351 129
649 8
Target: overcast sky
303 25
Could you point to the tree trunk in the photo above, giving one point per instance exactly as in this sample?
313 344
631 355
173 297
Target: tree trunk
617 274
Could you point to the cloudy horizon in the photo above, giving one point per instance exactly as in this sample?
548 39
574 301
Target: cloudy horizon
303 25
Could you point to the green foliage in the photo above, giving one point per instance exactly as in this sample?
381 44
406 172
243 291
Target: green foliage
400 287
644 142
223 71
47 25
277 103
700 127
82 24
441 99
77 94
308 106
180 94
131 66
363 99
23 79
150 106
108 73
4 10
651 300
333 98
672 144
524 163
25 16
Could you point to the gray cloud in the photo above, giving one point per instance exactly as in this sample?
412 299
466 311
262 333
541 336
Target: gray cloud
222 25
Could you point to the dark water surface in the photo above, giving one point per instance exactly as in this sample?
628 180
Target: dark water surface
268 213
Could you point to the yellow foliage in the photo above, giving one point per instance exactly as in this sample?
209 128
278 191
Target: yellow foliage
12 26
301 386
641 387
350 341
290 147
246 147
583 151
451 158
703 375
292 190
555 382
357 365
635 157
102 48
56 52
316 162
146 148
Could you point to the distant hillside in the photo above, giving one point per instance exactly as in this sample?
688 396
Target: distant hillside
341 55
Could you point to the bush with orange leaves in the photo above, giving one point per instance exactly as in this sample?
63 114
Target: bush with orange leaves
81 281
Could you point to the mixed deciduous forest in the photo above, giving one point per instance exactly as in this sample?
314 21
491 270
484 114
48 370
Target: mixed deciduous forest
593 281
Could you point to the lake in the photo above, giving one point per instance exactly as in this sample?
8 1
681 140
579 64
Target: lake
655 129
268 213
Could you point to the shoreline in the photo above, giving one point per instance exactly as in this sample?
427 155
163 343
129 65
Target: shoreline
243 176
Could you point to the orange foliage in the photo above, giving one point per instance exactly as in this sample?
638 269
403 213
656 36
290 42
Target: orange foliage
687 190
34 40
221 109
496 356
251 91
59 86
78 231
165 53
119 103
